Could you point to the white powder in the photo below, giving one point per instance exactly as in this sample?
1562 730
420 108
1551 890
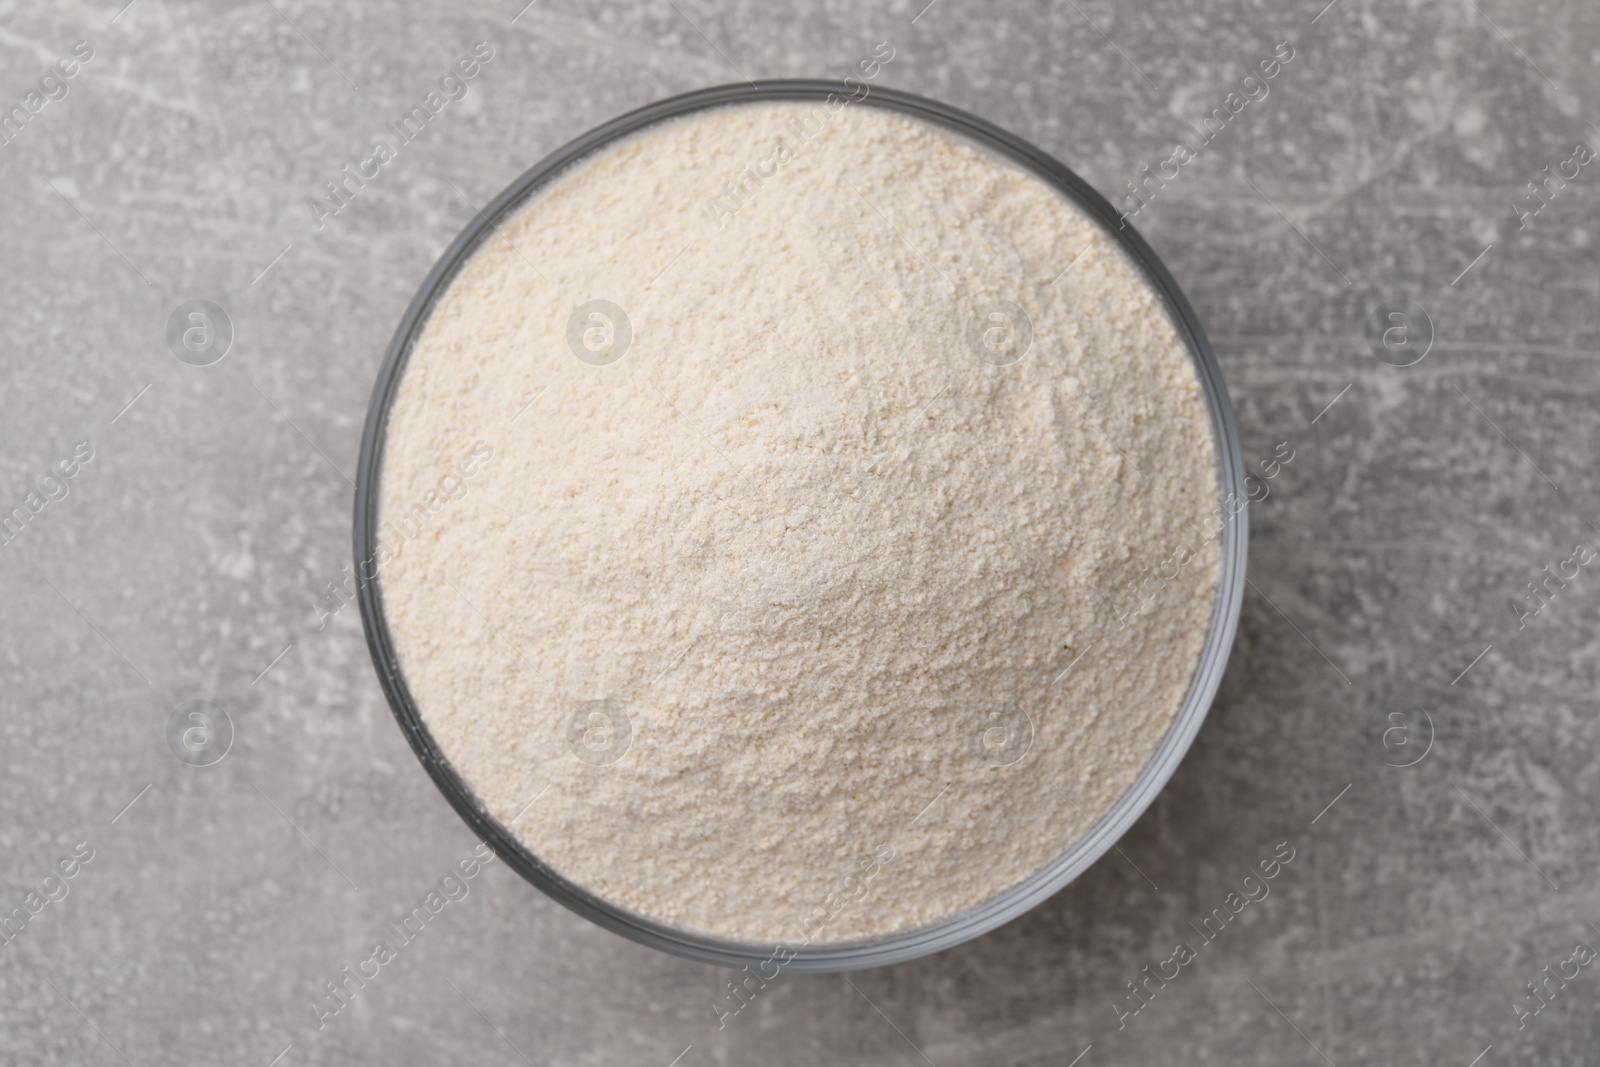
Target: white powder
828 564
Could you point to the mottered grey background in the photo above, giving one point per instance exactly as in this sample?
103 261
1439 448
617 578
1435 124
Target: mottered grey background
1400 708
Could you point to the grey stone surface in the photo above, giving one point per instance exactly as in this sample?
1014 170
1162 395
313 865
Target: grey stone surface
188 553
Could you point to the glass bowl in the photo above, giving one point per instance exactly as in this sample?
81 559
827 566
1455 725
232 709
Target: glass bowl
981 918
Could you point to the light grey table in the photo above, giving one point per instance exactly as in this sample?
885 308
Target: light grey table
1388 162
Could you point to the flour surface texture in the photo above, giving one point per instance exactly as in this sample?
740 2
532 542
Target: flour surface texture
798 525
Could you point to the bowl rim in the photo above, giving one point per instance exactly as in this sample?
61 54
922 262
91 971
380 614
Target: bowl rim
973 921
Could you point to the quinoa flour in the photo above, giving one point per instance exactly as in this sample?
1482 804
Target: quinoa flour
791 605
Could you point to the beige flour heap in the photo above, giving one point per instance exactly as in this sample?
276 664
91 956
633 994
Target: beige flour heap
747 598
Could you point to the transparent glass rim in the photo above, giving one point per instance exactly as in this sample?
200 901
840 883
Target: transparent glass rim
981 918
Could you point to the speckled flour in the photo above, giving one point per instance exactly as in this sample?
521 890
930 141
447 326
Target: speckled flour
760 629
